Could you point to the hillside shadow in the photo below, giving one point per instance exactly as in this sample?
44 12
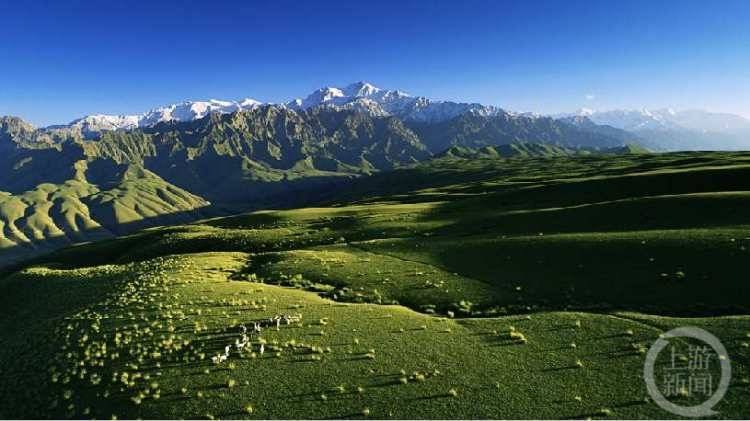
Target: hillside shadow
31 167
613 204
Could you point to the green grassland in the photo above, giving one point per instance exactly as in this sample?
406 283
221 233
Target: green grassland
457 288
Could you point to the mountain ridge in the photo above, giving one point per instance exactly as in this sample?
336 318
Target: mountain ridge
662 129
360 96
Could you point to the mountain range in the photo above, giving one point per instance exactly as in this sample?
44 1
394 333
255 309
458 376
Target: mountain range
663 129
103 175
667 129
360 96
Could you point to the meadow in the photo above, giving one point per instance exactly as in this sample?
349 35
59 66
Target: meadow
456 288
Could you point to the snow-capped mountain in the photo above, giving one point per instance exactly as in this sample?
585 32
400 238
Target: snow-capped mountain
364 96
360 96
185 111
188 111
363 92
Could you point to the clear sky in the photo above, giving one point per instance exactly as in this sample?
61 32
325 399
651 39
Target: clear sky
64 59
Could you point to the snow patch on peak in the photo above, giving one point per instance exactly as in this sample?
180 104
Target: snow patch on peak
361 89
366 97
250 103
92 125
324 96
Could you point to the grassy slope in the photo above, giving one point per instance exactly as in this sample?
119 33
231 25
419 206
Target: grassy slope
493 376
55 215
660 234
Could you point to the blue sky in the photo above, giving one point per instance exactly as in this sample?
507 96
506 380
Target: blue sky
65 59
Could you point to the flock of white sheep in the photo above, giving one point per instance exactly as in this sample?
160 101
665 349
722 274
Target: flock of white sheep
244 342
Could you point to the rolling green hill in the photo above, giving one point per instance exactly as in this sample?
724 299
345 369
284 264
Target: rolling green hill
90 207
456 288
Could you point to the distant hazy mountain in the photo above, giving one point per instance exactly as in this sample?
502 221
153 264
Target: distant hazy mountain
474 130
672 130
631 120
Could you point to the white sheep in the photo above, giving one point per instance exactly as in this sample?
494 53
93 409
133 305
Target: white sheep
240 345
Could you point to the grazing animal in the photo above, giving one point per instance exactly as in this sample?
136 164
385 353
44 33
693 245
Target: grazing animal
262 349
240 345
